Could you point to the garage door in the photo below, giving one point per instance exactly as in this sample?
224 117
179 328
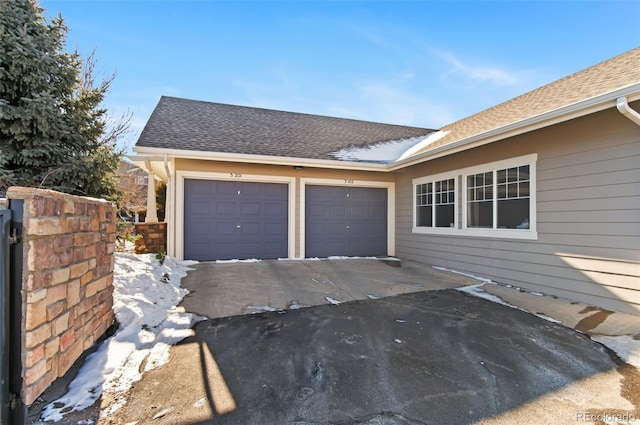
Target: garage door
228 219
348 221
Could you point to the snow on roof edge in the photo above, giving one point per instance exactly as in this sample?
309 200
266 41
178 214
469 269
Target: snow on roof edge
383 152
431 138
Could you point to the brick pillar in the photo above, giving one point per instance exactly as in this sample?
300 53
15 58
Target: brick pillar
154 237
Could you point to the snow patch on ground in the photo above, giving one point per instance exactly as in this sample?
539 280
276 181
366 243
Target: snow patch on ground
343 257
481 279
145 298
261 308
295 305
235 260
332 301
547 318
477 291
625 346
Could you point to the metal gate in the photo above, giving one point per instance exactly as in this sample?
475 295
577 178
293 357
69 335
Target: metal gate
12 411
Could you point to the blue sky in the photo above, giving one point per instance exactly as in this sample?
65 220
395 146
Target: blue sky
419 63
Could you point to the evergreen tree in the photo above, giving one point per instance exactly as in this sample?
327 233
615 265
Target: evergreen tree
53 128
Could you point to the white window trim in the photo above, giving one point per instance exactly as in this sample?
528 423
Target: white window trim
531 232
242 177
391 202
432 179
461 174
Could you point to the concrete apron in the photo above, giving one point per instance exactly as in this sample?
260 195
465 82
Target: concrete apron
230 289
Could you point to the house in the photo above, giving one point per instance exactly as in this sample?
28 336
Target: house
132 180
540 192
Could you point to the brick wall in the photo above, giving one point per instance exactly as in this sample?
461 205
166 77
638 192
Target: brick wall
67 286
154 237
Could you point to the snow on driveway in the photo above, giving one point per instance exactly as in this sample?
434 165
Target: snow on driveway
146 295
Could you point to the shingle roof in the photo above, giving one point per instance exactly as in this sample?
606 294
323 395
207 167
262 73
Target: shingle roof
214 127
613 74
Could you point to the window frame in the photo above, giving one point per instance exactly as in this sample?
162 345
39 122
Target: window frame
531 232
460 227
456 197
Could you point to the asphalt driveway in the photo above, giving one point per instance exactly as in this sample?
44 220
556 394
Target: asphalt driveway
415 356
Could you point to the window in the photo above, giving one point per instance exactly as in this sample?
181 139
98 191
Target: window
498 200
435 203
480 200
513 198
142 180
424 205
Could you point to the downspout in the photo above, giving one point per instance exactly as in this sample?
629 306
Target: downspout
623 106
168 208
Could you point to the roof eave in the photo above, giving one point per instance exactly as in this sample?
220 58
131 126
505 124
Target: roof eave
576 110
259 159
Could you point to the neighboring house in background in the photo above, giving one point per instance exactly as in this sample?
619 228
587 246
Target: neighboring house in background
540 192
133 181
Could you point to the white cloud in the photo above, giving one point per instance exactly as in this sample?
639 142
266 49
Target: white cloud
480 73
392 102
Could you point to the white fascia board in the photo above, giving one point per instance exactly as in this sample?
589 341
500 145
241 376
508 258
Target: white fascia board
260 159
576 110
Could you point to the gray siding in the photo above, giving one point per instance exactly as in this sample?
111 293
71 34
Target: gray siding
588 215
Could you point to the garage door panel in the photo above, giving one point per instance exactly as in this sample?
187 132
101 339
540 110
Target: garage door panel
345 221
376 211
336 230
274 229
251 189
375 229
337 211
274 210
338 248
225 209
225 250
272 247
200 208
358 212
357 246
358 229
249 208
221 188
316 210
200 187
358 194
230 219
222 228
277 190
250 229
